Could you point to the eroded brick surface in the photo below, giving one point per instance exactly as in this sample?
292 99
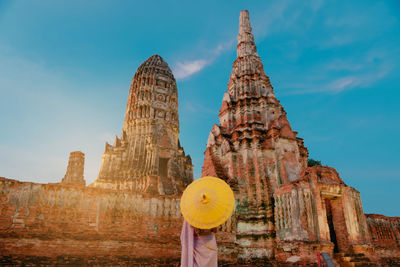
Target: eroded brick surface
385 231
55 220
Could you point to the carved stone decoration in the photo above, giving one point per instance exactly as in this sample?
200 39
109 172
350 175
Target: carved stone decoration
148 157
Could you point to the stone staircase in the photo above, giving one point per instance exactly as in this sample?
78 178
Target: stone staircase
353 260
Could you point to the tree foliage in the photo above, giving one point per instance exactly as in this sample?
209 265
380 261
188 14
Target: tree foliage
313 162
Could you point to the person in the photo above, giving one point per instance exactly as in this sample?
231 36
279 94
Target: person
199 247
205 204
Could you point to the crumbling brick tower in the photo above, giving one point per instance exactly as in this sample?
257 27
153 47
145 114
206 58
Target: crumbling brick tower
253 148
75 168
284 210
148 156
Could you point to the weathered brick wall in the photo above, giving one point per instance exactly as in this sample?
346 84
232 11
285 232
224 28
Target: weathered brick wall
49 221
385 231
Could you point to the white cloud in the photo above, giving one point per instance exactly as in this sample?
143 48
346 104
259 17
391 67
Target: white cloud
362 79
343 83
185 69
344 74
338 85
222 47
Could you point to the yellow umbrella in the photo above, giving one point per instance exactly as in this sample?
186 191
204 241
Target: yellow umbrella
207 202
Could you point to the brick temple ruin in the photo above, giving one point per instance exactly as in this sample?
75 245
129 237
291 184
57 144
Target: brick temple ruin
148 157
130 215
286 213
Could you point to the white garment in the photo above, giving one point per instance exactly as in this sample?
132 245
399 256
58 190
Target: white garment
198 251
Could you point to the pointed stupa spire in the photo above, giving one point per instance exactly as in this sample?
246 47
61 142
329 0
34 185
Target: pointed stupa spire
246 45
247 78
244 21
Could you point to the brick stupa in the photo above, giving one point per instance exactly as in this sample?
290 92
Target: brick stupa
284 210
148 156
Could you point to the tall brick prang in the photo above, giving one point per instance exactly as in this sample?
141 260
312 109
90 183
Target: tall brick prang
285 211
253 148
148 156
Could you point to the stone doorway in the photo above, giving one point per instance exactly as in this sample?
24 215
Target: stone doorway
332 233
337 225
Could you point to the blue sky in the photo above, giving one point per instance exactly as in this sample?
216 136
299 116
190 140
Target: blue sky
66 67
